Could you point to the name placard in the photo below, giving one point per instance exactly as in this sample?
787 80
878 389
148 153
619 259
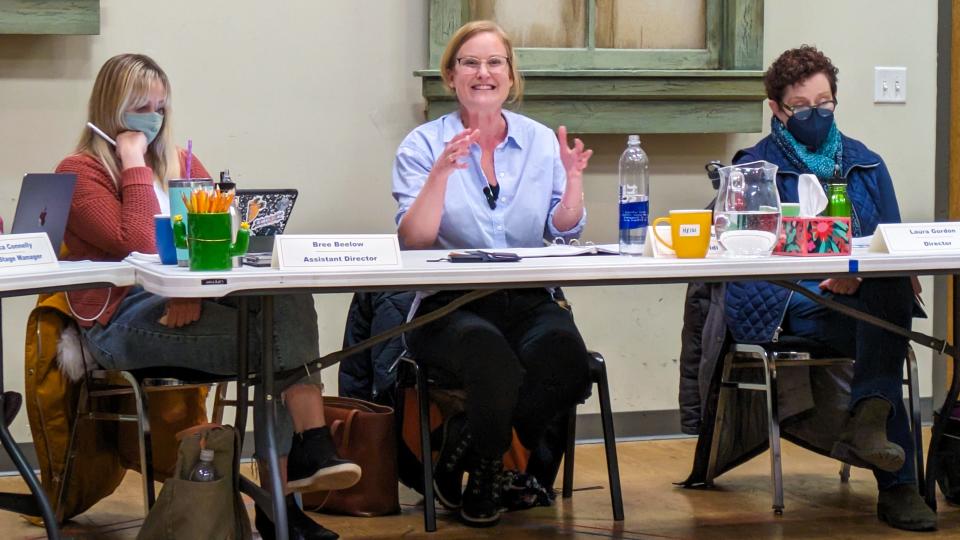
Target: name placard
916 238
31 251
336 252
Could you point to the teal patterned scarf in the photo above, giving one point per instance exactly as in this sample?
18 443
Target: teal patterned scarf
821 162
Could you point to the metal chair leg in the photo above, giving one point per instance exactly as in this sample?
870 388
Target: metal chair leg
146 444
844 472
609 442
139 392
568 453
916 427
773 419
78 416
426 452
243 367
725 390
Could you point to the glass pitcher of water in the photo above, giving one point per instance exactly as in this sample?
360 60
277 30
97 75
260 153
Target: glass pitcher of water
747 214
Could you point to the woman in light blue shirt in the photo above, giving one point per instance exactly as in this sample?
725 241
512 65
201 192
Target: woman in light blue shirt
484 177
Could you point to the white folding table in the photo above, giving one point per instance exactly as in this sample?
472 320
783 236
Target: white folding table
25 282
424 270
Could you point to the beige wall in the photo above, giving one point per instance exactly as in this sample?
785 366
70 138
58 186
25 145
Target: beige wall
638 328
316 95
305 94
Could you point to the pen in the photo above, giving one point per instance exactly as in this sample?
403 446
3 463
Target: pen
101 133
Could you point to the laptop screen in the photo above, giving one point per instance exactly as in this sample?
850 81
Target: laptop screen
267 211
44 206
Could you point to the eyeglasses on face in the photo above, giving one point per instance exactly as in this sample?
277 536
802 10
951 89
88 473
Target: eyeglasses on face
802 112
471 64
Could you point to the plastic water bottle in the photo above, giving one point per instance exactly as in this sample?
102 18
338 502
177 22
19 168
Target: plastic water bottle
634 197
203 471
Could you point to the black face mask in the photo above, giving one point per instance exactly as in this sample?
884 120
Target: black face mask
812 131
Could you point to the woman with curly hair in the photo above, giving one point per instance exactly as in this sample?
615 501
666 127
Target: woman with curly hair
801 89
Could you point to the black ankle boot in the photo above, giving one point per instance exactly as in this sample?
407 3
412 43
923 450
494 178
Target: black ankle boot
448 472
313 464
481 498
299 525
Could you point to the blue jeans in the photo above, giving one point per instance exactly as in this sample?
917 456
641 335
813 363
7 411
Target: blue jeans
134 339
879 355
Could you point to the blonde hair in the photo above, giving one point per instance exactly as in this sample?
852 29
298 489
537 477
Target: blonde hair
449 59
123 84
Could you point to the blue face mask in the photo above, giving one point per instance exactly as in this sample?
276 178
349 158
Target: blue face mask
812 131
147 123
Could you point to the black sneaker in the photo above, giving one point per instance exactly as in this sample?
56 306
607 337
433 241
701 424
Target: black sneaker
313 464
299 525
481 499
448 472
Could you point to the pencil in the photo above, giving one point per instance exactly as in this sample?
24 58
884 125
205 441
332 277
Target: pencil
99 132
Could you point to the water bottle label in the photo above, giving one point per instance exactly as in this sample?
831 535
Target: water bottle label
633 215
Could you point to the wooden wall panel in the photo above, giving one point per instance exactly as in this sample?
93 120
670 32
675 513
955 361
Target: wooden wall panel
954 175
651 24
537 23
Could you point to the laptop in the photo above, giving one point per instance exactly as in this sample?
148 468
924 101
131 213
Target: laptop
44 206
267 211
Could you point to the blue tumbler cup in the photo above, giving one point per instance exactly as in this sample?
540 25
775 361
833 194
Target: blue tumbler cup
163 229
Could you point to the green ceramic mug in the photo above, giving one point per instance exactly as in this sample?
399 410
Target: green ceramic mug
209 239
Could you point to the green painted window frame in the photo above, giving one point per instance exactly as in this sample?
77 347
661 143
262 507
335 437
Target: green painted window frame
51 17
718 89
454 13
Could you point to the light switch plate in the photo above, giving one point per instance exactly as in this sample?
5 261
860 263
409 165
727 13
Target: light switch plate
889 84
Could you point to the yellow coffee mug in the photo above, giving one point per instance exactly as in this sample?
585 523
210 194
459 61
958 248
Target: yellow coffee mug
690 232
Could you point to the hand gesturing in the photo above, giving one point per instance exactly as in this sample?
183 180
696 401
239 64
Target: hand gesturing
574 158
457 148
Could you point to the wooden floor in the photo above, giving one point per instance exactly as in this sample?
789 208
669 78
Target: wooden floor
817 505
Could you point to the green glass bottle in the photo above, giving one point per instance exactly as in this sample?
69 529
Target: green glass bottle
838 205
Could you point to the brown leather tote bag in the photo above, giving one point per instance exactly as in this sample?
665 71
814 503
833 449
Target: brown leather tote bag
364 433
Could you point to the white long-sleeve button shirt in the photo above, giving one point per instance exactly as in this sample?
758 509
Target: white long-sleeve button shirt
529 171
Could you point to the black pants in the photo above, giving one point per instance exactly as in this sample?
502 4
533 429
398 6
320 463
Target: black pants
518 356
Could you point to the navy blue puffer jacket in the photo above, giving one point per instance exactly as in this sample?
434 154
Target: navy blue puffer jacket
369 375
754 310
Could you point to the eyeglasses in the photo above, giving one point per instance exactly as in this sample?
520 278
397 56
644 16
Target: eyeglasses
802 112
494 63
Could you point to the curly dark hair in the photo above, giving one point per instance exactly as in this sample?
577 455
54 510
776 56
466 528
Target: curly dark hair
797 65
